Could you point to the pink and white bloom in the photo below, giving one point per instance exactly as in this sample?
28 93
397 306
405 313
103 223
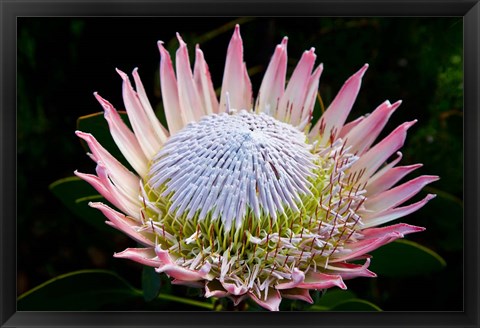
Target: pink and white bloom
247 198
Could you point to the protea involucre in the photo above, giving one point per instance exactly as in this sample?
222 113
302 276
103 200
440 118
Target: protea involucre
247 199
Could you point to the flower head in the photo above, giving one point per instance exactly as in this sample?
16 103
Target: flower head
249 199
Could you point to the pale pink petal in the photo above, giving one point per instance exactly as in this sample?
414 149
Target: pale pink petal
318 280
203 81
126 202
124 138
271 302
401 228
96 183
310 99
350 271
123 223
355 249
399 194
237 299
386 168
144 132
374 238
293 99
215 289
364 134
234 289
120 175
388 178
158 128
179 272
145 256
331 122
176 118
377 155
247 89
193 284
297 278
273 83
235 79
105 187
375 219
349 126
297 294
187 90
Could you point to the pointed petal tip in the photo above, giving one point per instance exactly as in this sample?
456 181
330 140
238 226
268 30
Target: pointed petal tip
431 178
430 197
81 133
180 40
95 204
161 47
98 97
122 74
408 125
362 70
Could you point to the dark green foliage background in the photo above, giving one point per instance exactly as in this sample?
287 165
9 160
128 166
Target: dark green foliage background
62 61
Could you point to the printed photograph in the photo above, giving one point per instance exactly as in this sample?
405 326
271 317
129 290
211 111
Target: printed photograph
240 164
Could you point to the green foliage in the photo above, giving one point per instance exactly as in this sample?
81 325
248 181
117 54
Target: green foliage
342 300
334 296
86 290
151 283
94 290
404 258
75 195
355 305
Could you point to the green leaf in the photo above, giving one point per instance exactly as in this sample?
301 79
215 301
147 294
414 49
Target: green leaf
93 290
86 290
98 127
355 305
151 283
335 296
405 258
75 195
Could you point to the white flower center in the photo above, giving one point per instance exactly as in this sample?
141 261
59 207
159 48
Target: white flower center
226 163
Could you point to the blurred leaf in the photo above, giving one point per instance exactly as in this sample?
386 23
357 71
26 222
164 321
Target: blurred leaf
335 296
86 290
405 258
342 301
96 125
93 290
75 194
355 305
445 220
151 283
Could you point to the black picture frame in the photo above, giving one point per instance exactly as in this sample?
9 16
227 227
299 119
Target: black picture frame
10 10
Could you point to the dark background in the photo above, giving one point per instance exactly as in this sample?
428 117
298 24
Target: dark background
62 61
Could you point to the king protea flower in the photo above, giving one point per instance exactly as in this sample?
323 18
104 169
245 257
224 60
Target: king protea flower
249 199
